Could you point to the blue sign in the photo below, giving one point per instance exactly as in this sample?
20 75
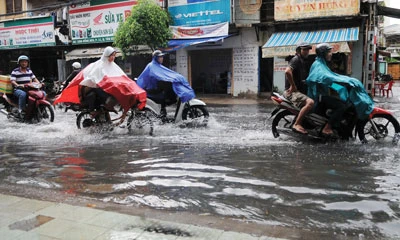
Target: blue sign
191 13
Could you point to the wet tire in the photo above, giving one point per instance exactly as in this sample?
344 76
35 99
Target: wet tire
195 115
388 129
141 122
84 120
45 113
283 121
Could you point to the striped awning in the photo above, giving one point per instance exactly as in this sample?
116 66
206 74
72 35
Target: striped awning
288 40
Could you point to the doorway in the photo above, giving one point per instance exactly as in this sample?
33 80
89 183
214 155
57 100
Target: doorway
210 70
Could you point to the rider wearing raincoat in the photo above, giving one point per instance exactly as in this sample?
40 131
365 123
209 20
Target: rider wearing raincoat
155 73
105 76
322 80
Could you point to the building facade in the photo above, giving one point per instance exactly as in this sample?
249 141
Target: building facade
231 47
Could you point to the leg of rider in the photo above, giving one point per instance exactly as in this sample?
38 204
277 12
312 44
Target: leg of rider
338 109
21 95
309 103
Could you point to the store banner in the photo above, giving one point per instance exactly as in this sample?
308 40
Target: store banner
97 24
191 13
286 10
216 30
25 33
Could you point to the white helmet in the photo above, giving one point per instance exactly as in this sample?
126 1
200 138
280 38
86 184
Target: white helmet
23 57
76 65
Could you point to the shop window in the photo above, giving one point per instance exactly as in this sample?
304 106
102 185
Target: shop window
13 6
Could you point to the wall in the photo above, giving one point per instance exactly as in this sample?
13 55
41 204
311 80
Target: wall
245 72
357 52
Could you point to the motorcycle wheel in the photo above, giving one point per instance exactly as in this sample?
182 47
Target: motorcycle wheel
283 121
140 122
198 115
45 112
388 129
85 120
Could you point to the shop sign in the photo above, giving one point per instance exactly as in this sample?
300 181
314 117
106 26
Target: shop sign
97 24
24 33
192 13
216 30
286 10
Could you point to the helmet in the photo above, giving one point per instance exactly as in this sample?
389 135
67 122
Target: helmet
158 53
322 49
76 65
23 57
303 45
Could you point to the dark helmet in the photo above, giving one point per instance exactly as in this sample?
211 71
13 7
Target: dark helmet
303 45
158 53
23 57
322 49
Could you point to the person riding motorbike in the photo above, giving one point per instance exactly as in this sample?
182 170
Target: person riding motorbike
162 84
104 82
76 68
334 91
21 76
295 74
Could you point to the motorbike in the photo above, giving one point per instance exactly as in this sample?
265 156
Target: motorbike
192 113
135 120
38 109
380 126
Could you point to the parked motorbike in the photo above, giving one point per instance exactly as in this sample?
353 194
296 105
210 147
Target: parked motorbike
381 125
37 109
136 120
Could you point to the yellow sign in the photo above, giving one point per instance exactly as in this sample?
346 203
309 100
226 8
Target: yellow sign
291 10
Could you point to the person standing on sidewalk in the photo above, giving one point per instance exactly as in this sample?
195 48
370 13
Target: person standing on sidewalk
295 75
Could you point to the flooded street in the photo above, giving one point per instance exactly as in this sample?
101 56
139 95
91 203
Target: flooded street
234 168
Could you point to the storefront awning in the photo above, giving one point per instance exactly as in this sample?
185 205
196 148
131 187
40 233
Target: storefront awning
87 53
177 44
284 43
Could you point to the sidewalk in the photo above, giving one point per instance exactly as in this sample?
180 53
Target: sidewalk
23 218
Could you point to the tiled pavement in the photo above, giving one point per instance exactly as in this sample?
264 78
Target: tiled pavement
22 218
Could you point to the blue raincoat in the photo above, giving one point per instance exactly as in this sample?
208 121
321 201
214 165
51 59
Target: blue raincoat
155 72
321 79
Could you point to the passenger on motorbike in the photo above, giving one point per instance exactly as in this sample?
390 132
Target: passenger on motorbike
21 76
162 84
334 91
295 75
76 68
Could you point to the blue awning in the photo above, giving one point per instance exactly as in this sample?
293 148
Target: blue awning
282 44
282 39
176 44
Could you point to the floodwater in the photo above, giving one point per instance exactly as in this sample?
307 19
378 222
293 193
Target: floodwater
234 168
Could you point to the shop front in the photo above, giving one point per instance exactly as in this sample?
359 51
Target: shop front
229 65
281 46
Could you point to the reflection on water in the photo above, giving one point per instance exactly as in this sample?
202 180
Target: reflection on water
233 168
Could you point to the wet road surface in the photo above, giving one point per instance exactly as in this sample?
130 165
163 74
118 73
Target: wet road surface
232 169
